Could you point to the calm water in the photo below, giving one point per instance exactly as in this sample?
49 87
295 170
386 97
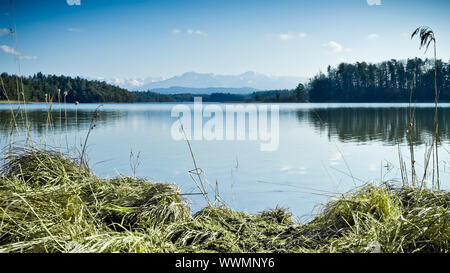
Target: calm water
321 147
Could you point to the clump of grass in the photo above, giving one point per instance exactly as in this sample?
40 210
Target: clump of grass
49 203
221 229
380 219
426 220
42 167
134 203
348 223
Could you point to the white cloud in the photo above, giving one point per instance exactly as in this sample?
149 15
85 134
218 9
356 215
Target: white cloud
72 29
176 31
197 32
14 52
373 36
285 36
333 46
9 50
374 2
290 36
3 31
73 2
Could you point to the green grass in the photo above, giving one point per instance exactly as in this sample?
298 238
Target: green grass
50 204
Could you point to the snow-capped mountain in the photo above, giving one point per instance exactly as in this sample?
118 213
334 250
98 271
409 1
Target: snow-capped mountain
131 83
249 80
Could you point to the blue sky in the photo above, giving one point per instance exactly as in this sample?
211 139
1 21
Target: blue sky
136 38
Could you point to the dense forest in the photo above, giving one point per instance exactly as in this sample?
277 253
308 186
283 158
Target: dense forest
77 89
382 82
82 90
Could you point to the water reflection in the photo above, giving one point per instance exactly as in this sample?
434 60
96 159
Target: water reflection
70 120
346 123
387 125
57 122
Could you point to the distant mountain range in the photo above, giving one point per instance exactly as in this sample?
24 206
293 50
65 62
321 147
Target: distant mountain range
132 84
212 83
206 90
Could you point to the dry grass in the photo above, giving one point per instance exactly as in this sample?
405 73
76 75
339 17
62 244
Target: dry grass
48 203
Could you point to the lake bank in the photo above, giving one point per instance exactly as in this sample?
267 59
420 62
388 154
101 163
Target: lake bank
50 204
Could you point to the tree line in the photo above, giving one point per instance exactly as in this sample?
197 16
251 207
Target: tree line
41 88
388 81
383 82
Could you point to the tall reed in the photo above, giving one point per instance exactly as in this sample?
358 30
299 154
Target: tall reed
427 37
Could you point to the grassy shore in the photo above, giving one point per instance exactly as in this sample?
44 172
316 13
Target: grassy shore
50 204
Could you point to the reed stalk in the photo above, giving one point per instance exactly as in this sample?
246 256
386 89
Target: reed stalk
427 37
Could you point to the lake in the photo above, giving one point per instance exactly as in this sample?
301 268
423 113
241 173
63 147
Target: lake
324 149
